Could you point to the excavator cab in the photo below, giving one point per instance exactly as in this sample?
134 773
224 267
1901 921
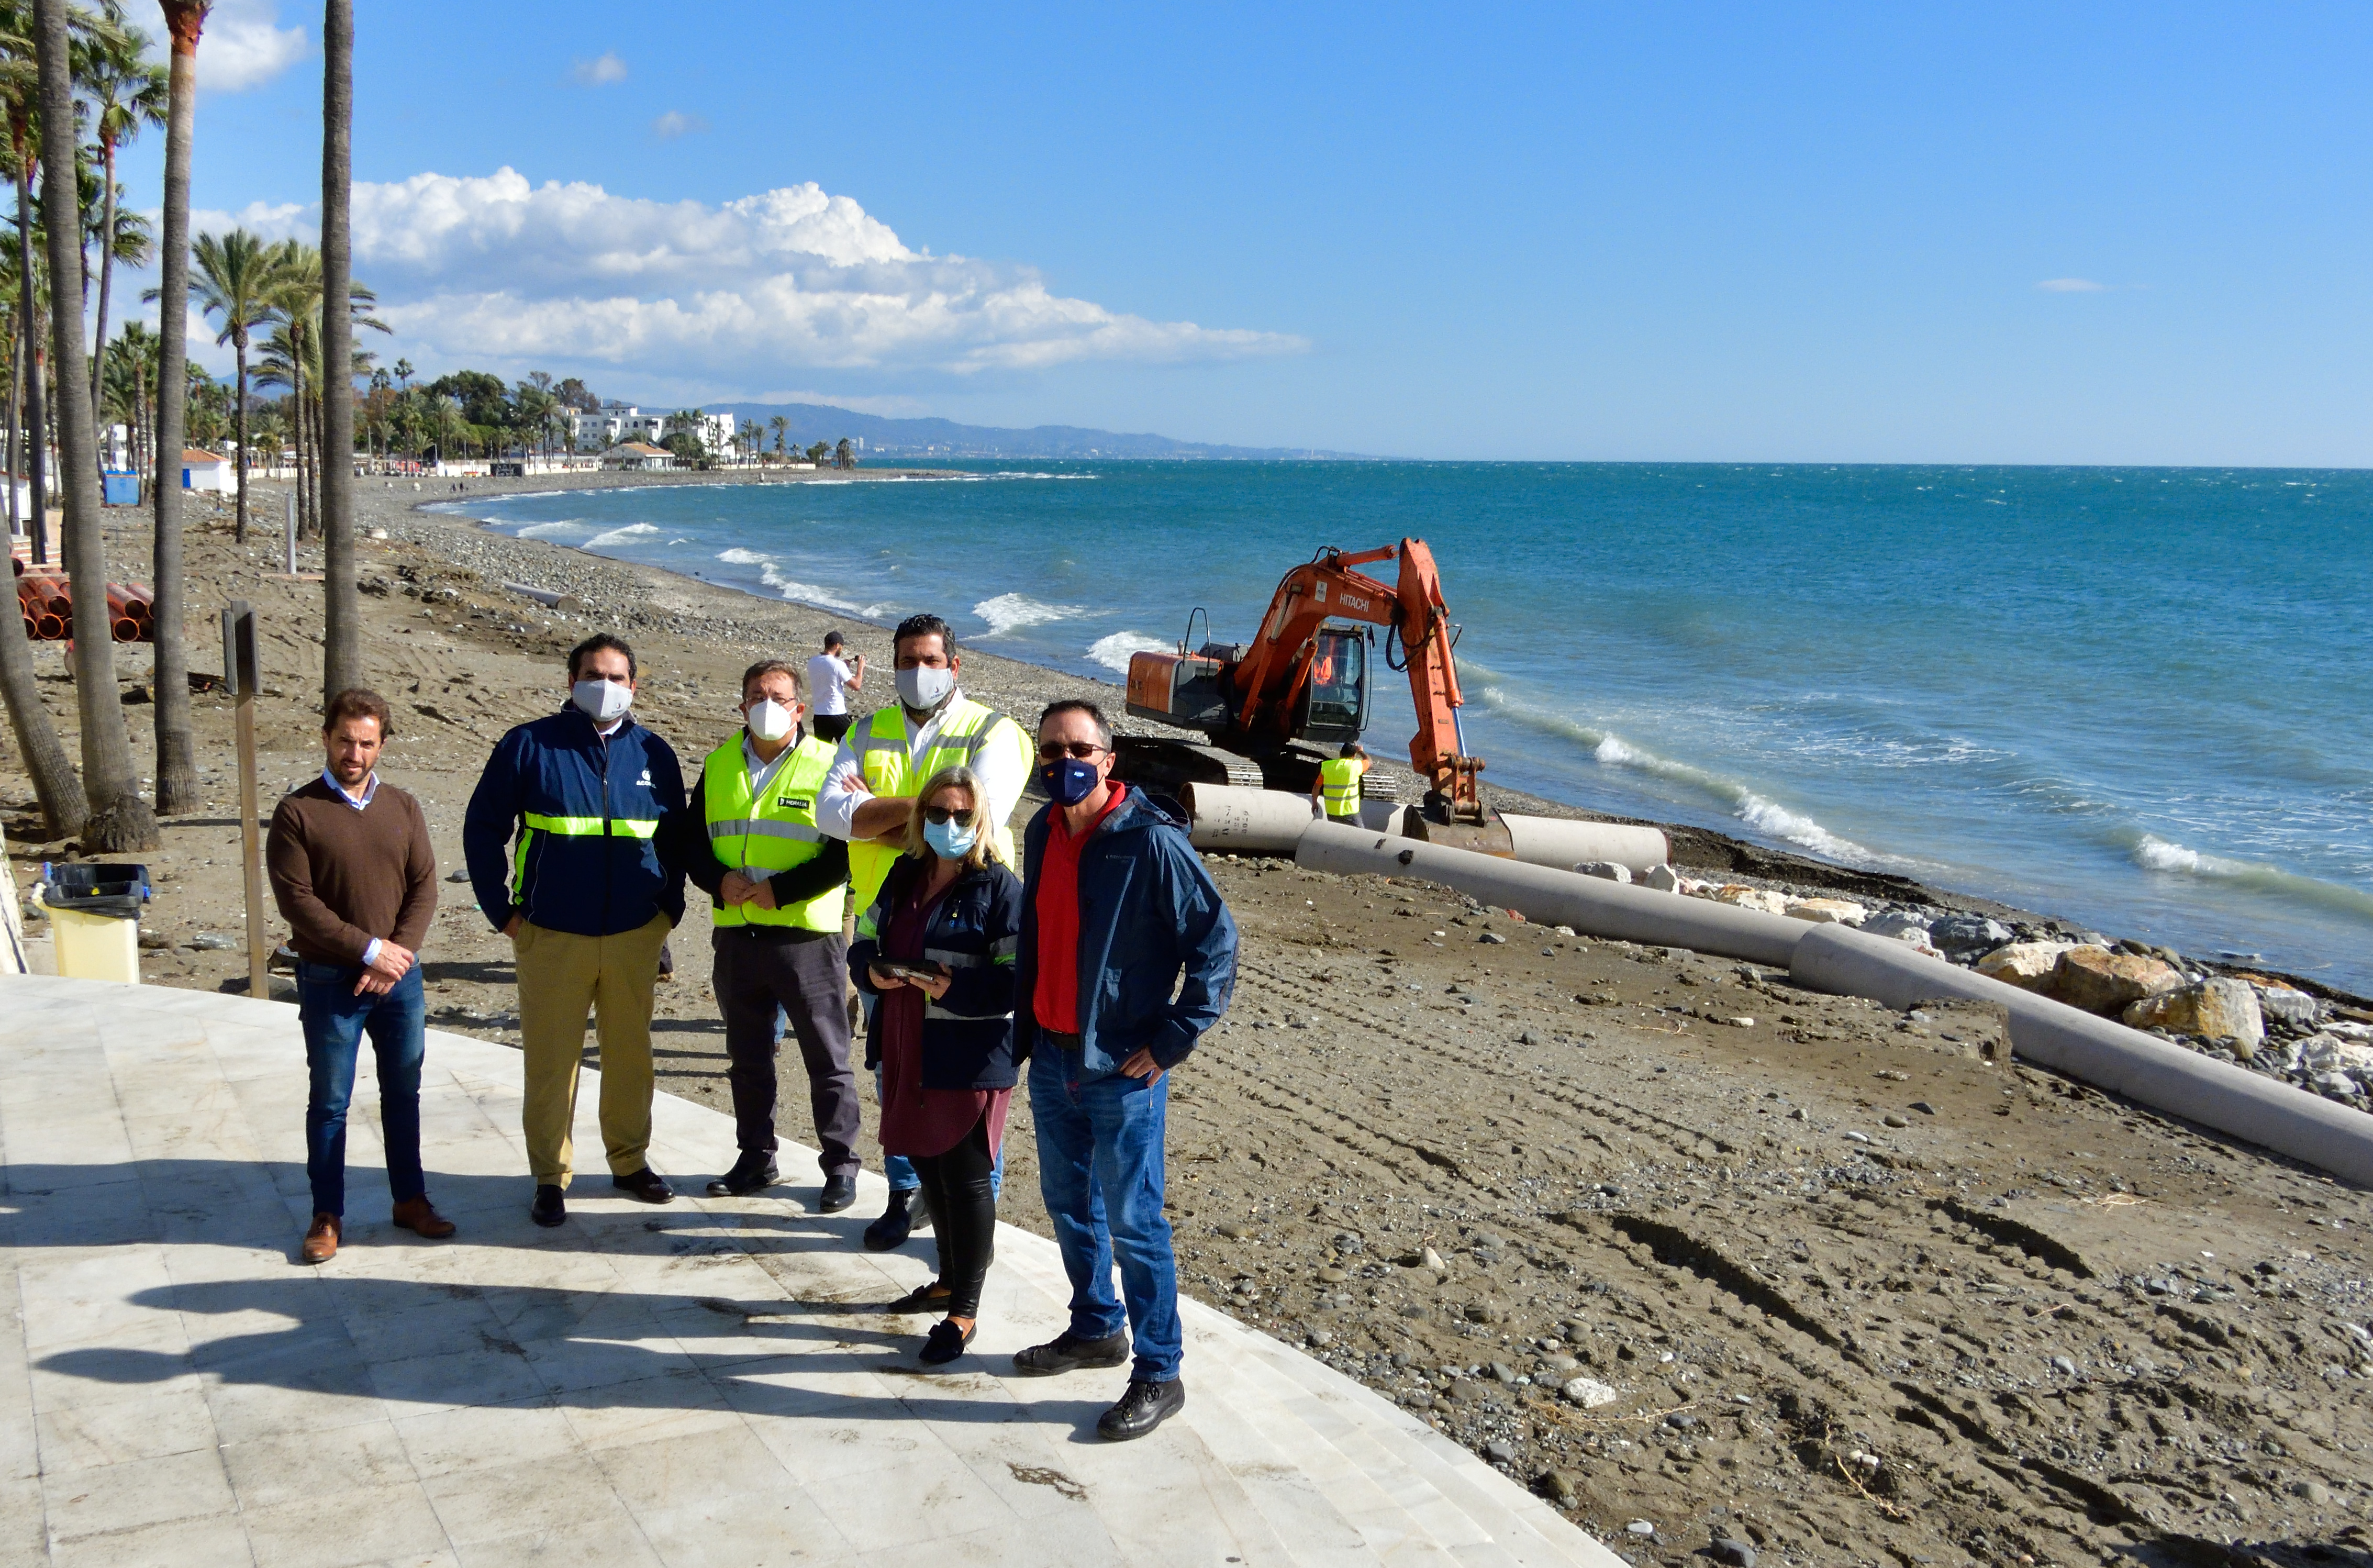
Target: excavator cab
1334 706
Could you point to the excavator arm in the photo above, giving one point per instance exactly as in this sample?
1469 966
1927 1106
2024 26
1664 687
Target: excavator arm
1269 682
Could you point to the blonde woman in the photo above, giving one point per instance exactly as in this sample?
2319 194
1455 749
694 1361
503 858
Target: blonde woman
937 949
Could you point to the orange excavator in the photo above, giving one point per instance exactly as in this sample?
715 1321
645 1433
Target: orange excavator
1304 678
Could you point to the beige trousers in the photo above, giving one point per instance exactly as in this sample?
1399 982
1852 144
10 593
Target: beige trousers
561 975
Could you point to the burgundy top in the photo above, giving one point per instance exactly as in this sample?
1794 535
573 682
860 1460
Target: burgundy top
915 1121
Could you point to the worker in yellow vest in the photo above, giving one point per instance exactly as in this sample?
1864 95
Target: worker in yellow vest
869 797
1337 792
780 884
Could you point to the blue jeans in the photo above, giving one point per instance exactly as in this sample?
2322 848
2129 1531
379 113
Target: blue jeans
901 1170
1100 1171
335 1021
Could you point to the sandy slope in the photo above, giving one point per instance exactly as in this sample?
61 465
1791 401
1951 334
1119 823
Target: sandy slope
2062 1328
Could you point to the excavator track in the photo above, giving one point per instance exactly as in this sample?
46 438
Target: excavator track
1167 766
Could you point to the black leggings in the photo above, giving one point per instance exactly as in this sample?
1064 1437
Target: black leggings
963 1205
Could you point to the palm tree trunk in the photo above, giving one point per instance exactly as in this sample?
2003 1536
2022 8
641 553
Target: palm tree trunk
55 784
120 820
106 275
177 745
28 327
342 649
239 431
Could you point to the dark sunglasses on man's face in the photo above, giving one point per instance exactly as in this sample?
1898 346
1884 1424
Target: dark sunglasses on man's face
939 816
1049 750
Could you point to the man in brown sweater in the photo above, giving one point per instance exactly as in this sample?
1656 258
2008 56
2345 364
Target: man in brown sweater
355 878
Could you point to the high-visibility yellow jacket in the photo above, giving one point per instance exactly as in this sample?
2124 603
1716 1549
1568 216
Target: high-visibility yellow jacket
774 832
1338 785
967 729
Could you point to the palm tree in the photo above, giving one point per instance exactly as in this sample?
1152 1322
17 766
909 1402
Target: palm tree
342 648
55 784
125 91
235 277
120 820
780 427
844 455
20 84
404 373
177 746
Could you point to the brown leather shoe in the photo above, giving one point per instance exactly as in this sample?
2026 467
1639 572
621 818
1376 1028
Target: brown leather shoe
421 1218
321 1241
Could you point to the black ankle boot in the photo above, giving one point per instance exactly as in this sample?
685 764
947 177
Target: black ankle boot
896 1224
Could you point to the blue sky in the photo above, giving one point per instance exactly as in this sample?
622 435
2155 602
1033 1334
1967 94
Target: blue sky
1557 232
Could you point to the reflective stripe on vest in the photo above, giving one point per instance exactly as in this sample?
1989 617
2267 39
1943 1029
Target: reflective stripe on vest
966 729
774 832
1338 782
533 822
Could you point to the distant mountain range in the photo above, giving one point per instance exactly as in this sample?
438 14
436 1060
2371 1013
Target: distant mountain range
812 422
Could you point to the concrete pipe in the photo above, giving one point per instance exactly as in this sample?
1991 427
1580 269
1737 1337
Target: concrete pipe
1252 822
1554 841
1560 897
547 597
2107 1055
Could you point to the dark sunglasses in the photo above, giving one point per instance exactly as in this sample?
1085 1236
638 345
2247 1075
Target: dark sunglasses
1049 750
939 816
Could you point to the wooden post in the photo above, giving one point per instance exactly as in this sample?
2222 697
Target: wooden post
241 673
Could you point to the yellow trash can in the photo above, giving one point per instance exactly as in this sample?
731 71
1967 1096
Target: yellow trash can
95 919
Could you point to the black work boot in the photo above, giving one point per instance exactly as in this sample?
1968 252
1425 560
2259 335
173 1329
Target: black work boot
754 1171
1143 1408
896 1224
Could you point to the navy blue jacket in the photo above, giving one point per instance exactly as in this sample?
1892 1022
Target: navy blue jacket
1148 913
967 1034
598 883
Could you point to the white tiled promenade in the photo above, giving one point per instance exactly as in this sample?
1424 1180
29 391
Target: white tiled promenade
702 1384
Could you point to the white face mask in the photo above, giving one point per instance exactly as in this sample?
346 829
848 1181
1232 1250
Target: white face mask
604 702
925 686
768 720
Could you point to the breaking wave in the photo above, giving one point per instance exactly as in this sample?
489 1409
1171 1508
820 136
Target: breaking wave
1011 611
2156 854
558 530
739 557
1112 651
1757 811
622 535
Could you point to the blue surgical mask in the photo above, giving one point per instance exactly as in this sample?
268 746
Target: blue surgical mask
1068 781
949 841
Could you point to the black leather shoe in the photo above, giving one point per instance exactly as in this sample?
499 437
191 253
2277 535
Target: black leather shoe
896 1224
931 1297
549 1208
1143 1408
751 1173
646 1185
945 1342
1068 1353
839 1192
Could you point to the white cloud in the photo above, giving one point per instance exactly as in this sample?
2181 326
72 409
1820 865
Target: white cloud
243 44
672 124
492 270
600 72
2071 285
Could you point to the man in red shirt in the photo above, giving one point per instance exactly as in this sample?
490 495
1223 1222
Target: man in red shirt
1127 957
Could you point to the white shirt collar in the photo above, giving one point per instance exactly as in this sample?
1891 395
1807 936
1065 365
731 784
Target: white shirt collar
370 788
612 728
761 771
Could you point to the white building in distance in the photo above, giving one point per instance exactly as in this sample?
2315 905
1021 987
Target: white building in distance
623 422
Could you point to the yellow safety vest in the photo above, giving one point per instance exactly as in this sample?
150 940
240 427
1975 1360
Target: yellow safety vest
1338 785
967 730
773 832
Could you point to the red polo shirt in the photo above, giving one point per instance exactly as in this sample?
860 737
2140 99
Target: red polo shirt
1055 996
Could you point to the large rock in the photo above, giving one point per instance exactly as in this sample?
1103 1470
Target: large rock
1750 898
1826 911
2283 1005
1664 879
1899 923
2102 981
1608 870
1968 933
2026 965
2219 1007
2328 1053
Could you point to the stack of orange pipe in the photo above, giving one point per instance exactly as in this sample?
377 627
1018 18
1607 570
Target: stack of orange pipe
47 604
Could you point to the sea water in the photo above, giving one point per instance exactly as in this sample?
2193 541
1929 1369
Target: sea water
2135 697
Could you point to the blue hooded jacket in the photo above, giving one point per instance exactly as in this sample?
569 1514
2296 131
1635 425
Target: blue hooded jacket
601 875
1149 913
